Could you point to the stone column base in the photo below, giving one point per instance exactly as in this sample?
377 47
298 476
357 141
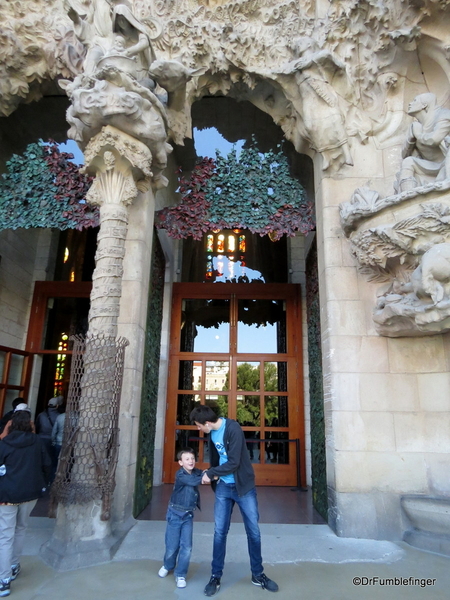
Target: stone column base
70 555
430 520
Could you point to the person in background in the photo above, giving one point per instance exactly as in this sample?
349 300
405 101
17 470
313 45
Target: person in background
24 469
20 406
7 416
58 431
44 427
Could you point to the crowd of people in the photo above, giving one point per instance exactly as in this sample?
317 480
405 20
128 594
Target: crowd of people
28 461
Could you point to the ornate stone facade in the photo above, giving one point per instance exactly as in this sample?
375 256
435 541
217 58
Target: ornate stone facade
335 77
362 87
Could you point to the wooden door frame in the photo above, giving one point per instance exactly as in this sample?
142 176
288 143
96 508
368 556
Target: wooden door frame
288 292
43 290
21 389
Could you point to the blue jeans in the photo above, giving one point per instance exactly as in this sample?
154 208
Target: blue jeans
178 542
226 498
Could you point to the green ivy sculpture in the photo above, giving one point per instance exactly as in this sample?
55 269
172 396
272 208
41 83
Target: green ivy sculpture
254 192
43 188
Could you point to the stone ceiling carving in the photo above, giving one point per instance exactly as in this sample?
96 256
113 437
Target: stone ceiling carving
37 45
245 48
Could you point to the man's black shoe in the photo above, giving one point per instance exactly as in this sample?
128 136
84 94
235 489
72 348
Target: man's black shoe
265 583
214 586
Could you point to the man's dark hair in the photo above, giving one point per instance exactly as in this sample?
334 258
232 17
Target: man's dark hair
203 413
21 421
17 401
185 451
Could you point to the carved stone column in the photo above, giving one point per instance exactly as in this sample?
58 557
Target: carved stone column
83 533
121 166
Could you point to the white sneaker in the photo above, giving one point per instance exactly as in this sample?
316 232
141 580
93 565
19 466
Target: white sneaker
163 572
181 582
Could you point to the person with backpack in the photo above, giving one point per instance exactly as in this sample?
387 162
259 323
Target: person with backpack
44 427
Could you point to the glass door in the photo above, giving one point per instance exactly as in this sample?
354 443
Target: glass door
59 310
237 348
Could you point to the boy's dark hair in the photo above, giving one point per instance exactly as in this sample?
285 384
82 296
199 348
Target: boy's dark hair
203 413
21 421
185 451
17 401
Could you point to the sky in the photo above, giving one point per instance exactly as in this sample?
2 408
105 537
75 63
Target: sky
206 142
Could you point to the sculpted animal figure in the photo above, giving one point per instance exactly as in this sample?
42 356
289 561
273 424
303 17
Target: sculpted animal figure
432 276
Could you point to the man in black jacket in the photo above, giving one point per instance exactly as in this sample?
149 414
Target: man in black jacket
230 463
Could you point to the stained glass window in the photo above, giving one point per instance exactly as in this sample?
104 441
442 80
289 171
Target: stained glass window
221 258
61 357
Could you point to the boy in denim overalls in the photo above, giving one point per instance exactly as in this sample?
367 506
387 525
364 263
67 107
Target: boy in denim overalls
184 500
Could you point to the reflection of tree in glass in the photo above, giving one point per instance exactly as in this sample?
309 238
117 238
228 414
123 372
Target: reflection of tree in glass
270 377
219 404
247 377
248 411
271 385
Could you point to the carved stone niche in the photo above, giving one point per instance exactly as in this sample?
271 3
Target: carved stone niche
411 258
403 240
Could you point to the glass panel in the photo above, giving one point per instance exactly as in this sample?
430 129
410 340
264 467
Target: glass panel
217 375
275 376
248 376
183 439
219 404
262 326
276 451
2 364
190 375
248 411
253 446
276 411
57 366
9 397
65 316
205 452
205 326
15 369
186 403
257 258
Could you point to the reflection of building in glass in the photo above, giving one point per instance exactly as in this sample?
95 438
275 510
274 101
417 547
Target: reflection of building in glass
216 376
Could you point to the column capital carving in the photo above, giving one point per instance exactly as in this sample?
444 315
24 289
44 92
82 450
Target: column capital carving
121 166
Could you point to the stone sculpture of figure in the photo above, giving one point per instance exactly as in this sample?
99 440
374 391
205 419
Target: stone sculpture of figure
136 42
425 152
93 28
431 279
317 102
422 305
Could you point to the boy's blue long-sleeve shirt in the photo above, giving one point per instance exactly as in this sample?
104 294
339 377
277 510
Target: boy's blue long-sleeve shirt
185 495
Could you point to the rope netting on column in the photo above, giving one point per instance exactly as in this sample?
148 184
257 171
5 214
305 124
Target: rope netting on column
88 459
